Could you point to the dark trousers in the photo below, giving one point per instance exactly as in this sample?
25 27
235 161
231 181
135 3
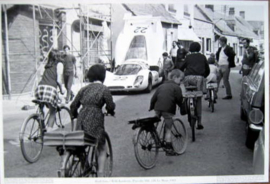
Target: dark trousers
68 80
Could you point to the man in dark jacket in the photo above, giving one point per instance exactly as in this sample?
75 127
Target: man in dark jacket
70 71
181 54
250 57
225 57
164 102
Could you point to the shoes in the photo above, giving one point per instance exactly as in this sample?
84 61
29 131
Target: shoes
200 127
227 98
206 98
171 153
215 101
169 149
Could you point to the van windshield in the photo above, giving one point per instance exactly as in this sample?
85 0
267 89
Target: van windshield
137 48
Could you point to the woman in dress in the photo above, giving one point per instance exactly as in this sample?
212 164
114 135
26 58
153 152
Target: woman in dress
91 118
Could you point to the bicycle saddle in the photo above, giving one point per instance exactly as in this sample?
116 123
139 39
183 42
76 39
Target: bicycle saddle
191 87
37 101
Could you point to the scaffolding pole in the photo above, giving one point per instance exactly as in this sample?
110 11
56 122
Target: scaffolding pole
7 54
35 44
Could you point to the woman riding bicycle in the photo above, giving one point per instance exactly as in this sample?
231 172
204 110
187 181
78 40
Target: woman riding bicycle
91 118
196 69
46 90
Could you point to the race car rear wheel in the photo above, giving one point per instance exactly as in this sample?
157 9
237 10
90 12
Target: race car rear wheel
150 85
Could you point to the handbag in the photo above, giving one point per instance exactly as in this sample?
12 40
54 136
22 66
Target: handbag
65 138
184 107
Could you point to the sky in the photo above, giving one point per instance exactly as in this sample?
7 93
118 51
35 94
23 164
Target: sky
254 12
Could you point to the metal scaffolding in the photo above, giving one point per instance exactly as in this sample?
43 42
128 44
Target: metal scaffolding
90 35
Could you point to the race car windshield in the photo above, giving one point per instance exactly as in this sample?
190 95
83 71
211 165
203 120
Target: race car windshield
137 48
128 69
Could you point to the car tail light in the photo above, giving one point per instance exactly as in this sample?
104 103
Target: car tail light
255 116
138 81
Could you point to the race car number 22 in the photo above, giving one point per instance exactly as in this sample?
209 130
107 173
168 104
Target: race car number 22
140 30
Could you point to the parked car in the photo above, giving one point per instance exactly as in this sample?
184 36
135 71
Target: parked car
133 75
252 103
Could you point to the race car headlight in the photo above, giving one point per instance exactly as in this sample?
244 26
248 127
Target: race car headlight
255 116
138 81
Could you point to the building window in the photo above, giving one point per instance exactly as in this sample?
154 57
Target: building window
235 48
171 8
202 50
241 50
186 11
208 44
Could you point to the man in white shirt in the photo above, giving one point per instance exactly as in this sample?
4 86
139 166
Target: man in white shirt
225 57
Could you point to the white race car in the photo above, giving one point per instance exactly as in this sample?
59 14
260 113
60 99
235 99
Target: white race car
133 75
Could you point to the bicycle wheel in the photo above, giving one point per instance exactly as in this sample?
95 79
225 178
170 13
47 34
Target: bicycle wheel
179 136
63 118
31 138
145 147
73 166
212 100
109 159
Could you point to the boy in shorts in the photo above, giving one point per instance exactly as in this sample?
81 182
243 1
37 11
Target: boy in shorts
164 102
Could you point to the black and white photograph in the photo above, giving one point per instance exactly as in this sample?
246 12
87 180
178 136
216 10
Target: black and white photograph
134 92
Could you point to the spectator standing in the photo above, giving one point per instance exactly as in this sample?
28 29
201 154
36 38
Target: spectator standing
167 64
196 69
249 58
173 52
225 57
181 54
70 71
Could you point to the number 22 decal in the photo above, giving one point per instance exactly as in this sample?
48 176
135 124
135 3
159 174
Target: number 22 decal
140 29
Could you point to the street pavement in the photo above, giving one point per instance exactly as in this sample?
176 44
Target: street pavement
219 149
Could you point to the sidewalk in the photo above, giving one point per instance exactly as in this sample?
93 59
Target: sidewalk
16 103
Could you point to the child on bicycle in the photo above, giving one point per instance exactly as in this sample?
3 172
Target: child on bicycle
91 118
167 64
164 102
213 75
46 90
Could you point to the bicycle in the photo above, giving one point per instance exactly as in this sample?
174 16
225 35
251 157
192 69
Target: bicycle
192 95
33 128
211 87
77 163
148 140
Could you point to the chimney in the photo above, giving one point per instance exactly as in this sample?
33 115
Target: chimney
242 14
231 12
210 6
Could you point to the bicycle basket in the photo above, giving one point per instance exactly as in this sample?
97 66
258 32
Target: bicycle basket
64 138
